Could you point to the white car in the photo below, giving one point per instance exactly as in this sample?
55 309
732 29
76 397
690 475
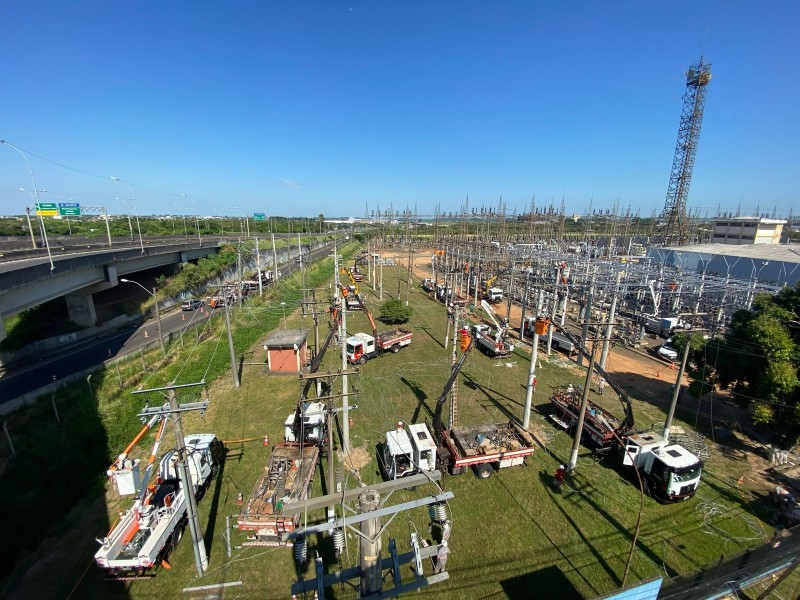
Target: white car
668 352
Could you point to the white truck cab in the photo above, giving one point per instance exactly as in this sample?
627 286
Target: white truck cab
313 415
494 294
406 452
671 471
359 345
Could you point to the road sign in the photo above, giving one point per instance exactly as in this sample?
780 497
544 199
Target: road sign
46 209
69 210
259 216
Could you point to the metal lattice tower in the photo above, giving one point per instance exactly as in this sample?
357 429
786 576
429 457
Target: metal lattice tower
675 221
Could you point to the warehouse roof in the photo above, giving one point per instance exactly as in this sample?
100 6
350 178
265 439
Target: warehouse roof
784 252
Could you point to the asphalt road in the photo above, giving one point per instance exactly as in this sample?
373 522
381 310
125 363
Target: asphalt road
76 358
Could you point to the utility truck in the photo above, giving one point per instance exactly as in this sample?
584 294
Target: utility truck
152 528
494 295
496 345
362 346
670 471
484 448
428 284
286 478
307 424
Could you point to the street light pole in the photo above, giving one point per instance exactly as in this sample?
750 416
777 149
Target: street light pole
30 227
45 241
135 210
283 306
158 313
196 221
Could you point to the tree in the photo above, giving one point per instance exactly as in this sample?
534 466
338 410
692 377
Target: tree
758 361
393 311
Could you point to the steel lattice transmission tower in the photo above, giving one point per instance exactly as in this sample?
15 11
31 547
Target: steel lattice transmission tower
674 218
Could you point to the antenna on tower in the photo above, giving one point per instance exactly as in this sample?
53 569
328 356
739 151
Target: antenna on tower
675 220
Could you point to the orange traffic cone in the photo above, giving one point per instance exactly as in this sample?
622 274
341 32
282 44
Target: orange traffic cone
266 440
658 373
145 334
740 481
240 499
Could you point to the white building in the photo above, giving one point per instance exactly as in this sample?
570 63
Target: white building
747 230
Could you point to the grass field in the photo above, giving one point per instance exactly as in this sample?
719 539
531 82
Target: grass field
513 536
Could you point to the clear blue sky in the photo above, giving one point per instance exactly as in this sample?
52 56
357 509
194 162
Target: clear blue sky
312 107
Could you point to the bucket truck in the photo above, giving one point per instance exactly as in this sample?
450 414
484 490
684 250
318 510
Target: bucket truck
496 345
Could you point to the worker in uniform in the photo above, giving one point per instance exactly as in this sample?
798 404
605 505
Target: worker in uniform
441 558
558 478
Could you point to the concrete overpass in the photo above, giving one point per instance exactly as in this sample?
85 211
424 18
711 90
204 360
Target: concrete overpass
27 283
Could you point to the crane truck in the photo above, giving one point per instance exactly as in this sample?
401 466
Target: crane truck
496 345
484 448
362 346
152 528
670 471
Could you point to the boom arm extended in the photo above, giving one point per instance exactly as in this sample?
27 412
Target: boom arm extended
437 414
501 329
628 422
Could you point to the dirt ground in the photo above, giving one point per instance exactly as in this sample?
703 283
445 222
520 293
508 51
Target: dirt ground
649 378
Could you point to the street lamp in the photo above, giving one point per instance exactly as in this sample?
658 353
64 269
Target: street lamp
135 210
196 221
158 314
41 223
283 306
128 209
28 216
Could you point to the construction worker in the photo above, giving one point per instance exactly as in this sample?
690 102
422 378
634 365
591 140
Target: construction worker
441 558
558 478
445 530
601 387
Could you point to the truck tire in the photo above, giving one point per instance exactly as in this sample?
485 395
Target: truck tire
362 360
484 471
396 348
177 536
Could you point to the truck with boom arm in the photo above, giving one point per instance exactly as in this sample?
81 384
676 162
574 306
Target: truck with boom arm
496 345
670 471
484 448
362 346
147 532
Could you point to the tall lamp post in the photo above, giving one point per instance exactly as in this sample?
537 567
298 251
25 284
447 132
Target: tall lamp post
135 210
128 209
196 220
35 198
45 241
283 306
158 313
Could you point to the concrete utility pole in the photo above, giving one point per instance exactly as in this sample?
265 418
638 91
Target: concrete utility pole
587 313
609 332
370 544
234 370
676 392
302 274
258 267
200 557
576 443
274 260
345 408
526 415
524 309
555 309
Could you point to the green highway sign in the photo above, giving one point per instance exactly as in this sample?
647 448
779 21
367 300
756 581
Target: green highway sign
259 216
69 210
46 209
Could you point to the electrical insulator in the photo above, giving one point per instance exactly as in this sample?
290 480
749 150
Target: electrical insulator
338 541
300 551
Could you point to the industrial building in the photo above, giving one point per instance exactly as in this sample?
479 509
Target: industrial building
747 230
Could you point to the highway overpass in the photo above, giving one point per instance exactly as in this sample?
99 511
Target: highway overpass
30 282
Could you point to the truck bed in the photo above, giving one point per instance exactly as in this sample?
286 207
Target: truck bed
568 405
504 442
390 335
286 478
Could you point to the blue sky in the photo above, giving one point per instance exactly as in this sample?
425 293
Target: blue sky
301 108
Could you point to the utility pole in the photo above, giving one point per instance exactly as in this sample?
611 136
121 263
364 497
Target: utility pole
302 275
676 392
587 313
258 267
526 415
234 370
609 332
555 308
576 443
345 408
370 544
274 259
524 308
173 408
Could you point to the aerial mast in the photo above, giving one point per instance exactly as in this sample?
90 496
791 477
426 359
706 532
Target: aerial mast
674 218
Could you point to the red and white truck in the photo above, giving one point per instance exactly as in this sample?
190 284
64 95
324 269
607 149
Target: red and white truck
363 346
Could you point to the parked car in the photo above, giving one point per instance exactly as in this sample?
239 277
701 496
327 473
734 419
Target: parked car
668 352
193 304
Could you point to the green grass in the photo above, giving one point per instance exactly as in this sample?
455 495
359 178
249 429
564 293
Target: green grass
511 534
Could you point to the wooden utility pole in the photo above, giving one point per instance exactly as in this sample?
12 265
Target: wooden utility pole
576 443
